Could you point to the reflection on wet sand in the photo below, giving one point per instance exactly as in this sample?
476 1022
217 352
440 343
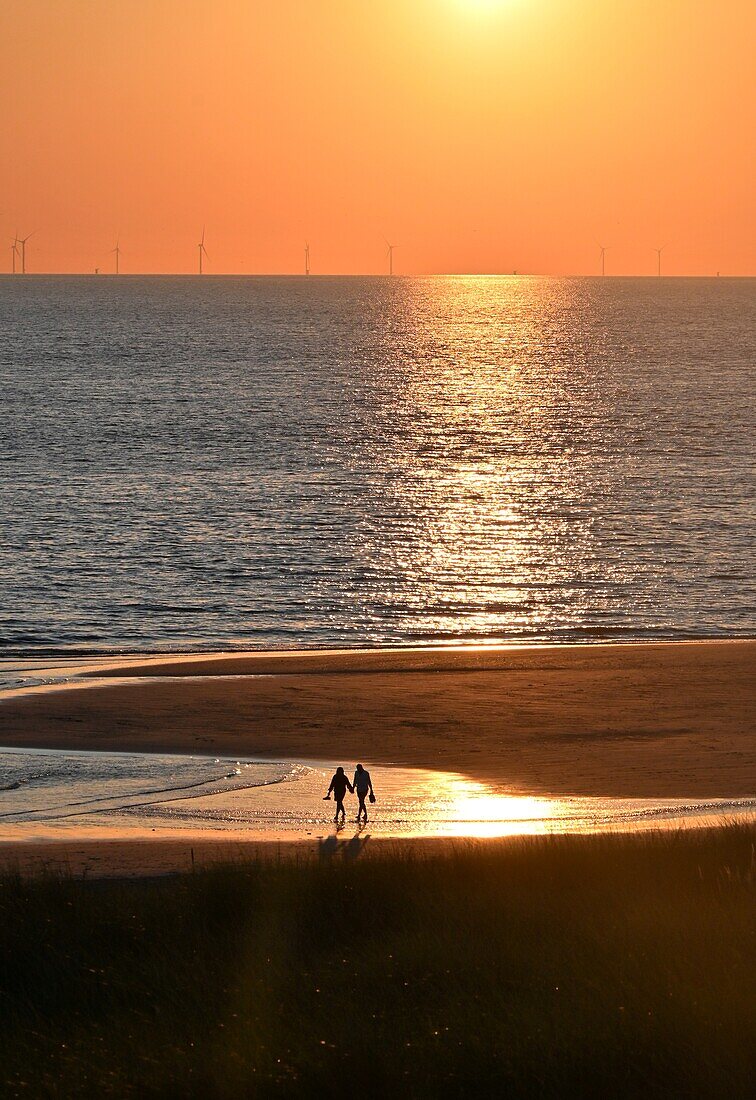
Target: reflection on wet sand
474 811
49 795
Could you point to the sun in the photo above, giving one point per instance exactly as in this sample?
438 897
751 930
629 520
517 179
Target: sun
483 7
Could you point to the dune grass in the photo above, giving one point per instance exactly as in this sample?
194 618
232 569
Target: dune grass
594 966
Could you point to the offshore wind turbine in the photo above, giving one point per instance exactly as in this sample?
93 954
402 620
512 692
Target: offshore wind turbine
658 252
307 258
603 248
117 252
201 250
390 255
14 253
22 241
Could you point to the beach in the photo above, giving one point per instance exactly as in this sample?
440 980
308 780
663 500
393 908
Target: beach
625 721
123 856
666 720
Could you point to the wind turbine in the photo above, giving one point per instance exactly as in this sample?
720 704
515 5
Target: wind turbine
14 252
658 252
603 248
201 250
22 241
390 254
117 252
307 258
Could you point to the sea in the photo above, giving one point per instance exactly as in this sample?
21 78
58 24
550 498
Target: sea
196 463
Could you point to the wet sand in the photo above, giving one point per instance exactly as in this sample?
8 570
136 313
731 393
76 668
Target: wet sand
659 720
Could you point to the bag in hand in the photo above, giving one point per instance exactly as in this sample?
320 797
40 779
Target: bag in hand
372 797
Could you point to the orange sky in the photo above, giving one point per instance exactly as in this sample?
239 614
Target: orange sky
479 135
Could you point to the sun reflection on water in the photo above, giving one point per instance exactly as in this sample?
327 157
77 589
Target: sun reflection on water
491 494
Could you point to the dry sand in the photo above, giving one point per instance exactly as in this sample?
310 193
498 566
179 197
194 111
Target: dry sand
126 857
663 720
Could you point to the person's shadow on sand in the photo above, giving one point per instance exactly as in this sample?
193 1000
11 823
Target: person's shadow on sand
355 847
328 846
331 846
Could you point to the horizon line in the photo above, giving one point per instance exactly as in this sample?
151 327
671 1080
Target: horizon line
366 275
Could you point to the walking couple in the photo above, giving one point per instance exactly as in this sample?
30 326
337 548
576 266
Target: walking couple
361 785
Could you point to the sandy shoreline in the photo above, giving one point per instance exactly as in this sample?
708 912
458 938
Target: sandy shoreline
648 720
129 857
126 857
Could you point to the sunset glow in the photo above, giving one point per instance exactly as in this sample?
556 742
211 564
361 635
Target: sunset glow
476 135
482 5
377 633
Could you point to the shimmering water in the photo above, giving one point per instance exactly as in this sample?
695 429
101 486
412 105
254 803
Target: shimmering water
192 463
53 795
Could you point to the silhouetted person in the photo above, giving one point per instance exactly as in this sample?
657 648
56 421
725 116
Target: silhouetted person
339 786
364 787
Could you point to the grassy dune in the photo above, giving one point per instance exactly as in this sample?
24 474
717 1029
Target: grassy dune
604 966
